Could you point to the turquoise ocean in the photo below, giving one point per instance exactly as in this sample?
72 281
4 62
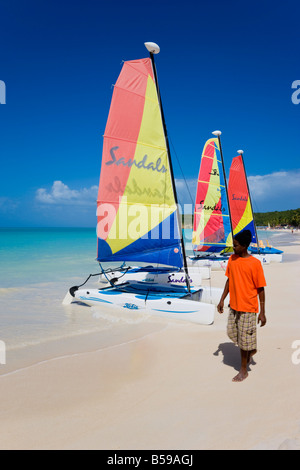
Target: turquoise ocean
38 266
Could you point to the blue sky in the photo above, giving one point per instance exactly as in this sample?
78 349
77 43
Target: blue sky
223 65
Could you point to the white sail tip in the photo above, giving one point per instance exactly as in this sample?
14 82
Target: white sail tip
240 152
152 47
217 133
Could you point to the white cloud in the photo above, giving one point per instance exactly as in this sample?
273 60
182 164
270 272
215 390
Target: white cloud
279 190
61 194
275 191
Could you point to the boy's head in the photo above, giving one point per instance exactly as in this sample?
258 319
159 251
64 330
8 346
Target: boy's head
243 239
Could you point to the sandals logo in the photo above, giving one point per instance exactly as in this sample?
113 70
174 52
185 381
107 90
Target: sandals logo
2 353
2 92
296 94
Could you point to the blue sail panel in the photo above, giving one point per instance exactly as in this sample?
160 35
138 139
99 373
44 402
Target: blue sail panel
161 245
250 227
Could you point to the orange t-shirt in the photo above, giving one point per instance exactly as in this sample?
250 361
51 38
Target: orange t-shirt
245 276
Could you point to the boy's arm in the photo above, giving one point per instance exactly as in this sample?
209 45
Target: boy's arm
220 306
262 317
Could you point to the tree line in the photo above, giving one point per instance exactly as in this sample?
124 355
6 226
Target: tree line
274 219
278 218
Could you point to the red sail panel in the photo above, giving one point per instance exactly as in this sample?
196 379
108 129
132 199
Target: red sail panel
237 191
239 199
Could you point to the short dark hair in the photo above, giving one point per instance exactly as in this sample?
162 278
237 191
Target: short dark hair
244 238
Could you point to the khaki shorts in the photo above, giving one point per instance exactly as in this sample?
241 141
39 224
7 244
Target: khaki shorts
241 329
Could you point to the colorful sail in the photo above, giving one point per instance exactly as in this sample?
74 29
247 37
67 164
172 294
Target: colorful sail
137 212
212 227
239 199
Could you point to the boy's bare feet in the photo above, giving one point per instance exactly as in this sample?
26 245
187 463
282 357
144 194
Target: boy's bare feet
240 377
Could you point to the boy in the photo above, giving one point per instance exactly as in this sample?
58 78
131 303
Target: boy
245 282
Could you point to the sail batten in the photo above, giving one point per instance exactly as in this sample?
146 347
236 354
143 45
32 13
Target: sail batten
133 92
211 184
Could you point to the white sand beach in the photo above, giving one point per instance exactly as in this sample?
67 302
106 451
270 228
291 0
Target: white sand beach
169 388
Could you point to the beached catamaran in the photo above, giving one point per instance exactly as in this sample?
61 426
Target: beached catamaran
212 230
138 216
221 210
242 211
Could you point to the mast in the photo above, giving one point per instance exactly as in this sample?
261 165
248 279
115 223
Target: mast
154 49
241 152
218 134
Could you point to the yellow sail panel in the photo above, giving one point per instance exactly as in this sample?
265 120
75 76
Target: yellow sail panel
247 215
212 195
209 185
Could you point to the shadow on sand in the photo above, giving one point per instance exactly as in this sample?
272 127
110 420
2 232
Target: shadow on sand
231 355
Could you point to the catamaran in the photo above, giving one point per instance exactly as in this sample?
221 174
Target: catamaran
221 210
212 230
137 210
269 251
241 210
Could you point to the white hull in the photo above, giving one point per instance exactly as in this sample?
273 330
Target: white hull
177 278
212 263
211 295
264 259
275 258
272 254
269 258
162 304
216 264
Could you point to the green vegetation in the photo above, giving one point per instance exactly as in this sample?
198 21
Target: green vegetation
290 217
275 219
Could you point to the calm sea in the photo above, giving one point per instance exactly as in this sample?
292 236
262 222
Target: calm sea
31 255
38 266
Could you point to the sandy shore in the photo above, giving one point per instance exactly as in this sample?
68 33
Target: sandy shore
169 388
